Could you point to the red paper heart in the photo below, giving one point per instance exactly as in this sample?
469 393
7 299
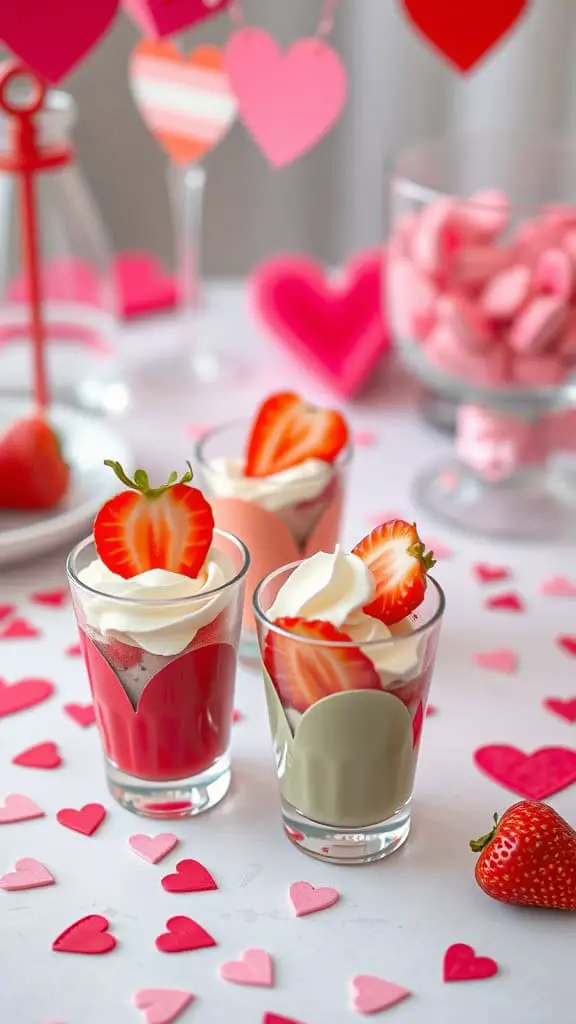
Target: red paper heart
85 821
535 776
143 284
159 18
462 964
19 629
464 31
191 876
42 755
565 708
52 36
506 602
277 1018
50 598
491 573
83 714
22 695
183 935
6 610
88 935
73 651
568 644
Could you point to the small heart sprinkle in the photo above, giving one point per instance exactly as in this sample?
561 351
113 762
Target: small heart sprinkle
50 598
502 660
255 967
161 1005
462 964
83 714
85 821
236 715
89 936
191 876
153 848
24 694
18 808
369 994
568 644
491 573
19 629
6 610
566 709
73 651
28 873
505 602
183 935
305 899
42 755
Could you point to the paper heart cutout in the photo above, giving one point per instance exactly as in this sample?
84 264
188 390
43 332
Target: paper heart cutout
254 968
236 716
369 994
83 714
335 328
143 285
28 874
190 876
52 36
89 935
24 694
153 848
50 598
568 644
85 821
365 439
186 102
6 610
18 808
503 660
161 1005
286 101
438 549
19 629
159 18
505 602
491 573
277 1018
464 32
535 776
462 964
306 899
558 586
41 755
183 935
73 651
566 709
431 710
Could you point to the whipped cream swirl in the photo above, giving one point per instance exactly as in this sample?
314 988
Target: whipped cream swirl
293 486
159 617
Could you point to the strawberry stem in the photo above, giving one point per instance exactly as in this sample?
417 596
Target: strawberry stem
418 550
141 482
477 845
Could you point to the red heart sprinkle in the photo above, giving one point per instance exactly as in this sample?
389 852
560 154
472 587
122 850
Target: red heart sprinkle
462 964
73 651
19 629
42 755
88 935
491 573
50 598
6 610
568 644
24 694
85 821
506 602
277 1018
83 714
565 708
183 935
191 876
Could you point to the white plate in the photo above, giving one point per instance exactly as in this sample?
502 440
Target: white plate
86 442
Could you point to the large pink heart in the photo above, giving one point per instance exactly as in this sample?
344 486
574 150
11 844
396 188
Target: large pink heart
159 18
337 330
52 36
287 102
534 776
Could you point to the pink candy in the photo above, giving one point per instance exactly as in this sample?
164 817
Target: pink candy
538 326
463 317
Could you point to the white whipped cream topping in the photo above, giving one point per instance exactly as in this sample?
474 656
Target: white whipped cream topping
148 621
300 483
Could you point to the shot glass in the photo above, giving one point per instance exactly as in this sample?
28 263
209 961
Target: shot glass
164 718
276 524
346 763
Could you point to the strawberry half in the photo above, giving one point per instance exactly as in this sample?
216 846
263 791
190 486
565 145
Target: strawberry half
168 527
305 673
287 431
398 562
33 474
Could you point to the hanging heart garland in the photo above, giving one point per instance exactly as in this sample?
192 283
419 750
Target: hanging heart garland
464 32
159 18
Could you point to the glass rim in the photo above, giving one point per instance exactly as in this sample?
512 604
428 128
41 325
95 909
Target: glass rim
342 460
168 601
394 639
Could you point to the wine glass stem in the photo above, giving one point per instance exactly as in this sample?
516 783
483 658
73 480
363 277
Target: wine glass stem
186 190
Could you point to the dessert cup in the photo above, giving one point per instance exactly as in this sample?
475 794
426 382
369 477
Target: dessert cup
164 719
277 528
346 766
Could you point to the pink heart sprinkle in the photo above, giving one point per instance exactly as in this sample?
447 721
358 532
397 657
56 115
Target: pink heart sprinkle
369 994
364 439
153 848
83 714
502 660
306 899
236 715
6 610
431 710
254 968
438 549
506 602
161 1005
73 651
18 808
19 629
491 573
566 709
42 755
462 964
28 874
50 598
558 586
568 644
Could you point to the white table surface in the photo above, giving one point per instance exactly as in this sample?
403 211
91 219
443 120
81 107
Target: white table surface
394 919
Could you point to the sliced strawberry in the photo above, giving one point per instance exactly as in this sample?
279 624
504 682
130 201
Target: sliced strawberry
287 431
398 562
305 673
168 527
121 656
33 474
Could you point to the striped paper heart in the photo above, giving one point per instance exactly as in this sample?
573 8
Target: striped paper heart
186 102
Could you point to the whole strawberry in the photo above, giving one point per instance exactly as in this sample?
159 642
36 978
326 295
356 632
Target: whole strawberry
33 473
529 858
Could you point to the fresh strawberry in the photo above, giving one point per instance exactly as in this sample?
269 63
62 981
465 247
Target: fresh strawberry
305 673
168 527
398 562
121 656
33 474
529 858
287 431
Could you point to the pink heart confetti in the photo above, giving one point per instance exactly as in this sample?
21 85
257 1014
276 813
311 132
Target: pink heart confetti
535 776
41 755
161 1005
568 644
566 709
558 586
306 899
462 964
50 598
503 660
254 968
6 610
153 848
19 629
236 715
505 602
73 651
364 439
438 549
369 994
24 694
18 808
197 430
431 710
28 874
83 714
491 573
277 1018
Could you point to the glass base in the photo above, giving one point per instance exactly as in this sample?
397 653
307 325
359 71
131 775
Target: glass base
182 798
532 506
249 651
346 846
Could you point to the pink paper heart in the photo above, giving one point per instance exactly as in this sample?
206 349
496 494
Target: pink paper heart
183 935
153 848
161 1005
73 651
50 598
564 708
159 18
306 899
278 1018
462 964
335 328
26 693
535 776
369 994
19 629
6 610
254 968
83 714
503 660
88 936
28 874
438 549
558 586
18 808
505 602
143 284
287 102
52 36
491 573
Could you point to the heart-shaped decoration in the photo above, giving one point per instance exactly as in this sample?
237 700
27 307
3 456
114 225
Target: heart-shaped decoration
6 610
73 651
20 629
558 586
568 644
161 1005
158 18
369 994
535 776
506 603
254 968
153 848
277 1018
28 874
183 935
191 876
306 899
464 32
89 935
52 36
336 329
24 694
18 808
503 660
50 598
286 102
42 755
462 964
491 573
85 821
566 709
83 714
143 285
186 102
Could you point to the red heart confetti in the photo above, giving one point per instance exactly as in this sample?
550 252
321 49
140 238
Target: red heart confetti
6 610
464 32
564 708
491 573
191 876
183 935
18 808
568 644
26 693
86 820
431 710
50 598
505 602
277 1018
535 776
83 714
42 755
73 651
19 629
89 935
462 964
236 715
